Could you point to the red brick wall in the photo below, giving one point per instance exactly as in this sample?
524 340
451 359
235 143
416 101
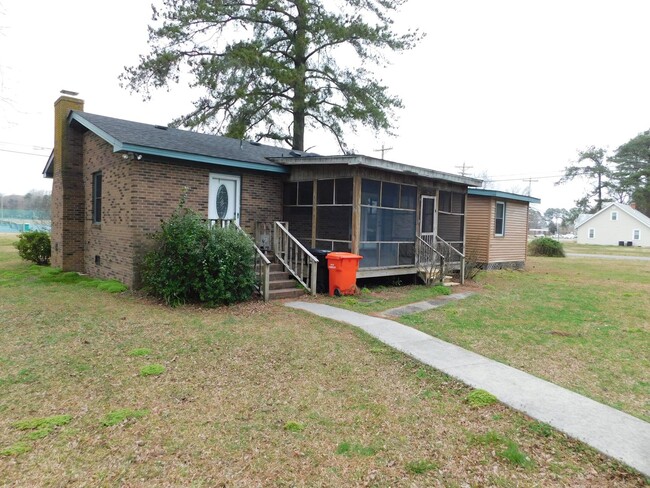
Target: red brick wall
138 195
111 241
67 190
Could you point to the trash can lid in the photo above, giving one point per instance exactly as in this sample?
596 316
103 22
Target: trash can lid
343 255
318 252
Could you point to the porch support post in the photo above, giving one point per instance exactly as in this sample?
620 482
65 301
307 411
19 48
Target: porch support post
314 212
356 212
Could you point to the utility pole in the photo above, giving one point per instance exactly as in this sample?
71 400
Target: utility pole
530 181
382 150
463 168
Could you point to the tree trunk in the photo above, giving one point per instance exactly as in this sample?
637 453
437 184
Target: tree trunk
300 84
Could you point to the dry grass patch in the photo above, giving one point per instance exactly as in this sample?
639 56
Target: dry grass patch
253 394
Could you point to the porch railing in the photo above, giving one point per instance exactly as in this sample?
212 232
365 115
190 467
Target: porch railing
295 257
432 253
453 256
428 259
262 264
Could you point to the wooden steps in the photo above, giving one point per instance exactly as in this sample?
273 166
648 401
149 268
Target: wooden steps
282 284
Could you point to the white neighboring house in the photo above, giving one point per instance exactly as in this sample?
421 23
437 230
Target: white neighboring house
614 224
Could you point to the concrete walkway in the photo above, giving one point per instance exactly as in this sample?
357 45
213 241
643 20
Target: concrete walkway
426 305
608 430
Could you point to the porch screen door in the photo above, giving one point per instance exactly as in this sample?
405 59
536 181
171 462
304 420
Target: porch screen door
224 195
428 219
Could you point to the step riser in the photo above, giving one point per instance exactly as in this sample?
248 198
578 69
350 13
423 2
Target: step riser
283 285
291 293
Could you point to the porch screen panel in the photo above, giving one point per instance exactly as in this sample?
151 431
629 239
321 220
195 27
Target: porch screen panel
451 218
334 214
298 198
387 224
334 223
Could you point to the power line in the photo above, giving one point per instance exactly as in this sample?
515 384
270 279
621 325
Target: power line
22 152
33 146
526 179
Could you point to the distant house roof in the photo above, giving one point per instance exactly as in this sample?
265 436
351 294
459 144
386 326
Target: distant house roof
360 160
632 212
482 192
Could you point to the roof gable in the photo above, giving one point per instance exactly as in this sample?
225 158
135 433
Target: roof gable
632 212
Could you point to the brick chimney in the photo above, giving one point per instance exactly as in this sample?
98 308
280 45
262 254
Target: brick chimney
67 188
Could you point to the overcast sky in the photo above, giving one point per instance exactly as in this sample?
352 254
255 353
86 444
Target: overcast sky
511 89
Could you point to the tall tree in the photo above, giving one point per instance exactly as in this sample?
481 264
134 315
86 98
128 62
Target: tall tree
271 66
632 172
591 164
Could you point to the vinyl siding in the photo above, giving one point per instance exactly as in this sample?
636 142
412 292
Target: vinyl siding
478 215
610 232
512 245
482 245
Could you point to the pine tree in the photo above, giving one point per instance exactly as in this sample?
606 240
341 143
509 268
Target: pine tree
270 68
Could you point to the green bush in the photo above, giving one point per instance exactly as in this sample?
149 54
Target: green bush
34 246
194 262
545 246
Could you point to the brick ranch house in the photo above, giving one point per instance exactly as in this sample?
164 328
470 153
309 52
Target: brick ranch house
115 180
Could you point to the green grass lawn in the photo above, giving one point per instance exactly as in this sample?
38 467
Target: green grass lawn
581 323
573 247
113 389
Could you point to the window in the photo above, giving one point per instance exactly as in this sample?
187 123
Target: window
500 221
614 215
592 233
97 197
636 234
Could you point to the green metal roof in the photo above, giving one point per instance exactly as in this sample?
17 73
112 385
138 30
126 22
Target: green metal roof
481 192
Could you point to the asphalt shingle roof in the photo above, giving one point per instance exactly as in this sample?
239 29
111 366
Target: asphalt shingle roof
184 141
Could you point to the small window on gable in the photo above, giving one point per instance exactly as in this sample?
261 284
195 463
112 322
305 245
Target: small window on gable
592 233
500 220
614 215
636 234
97 197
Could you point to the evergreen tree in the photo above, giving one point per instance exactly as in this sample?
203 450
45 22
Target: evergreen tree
593 165
632 172
270 68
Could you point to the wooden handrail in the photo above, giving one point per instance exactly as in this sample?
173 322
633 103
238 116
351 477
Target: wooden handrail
460 254
295 257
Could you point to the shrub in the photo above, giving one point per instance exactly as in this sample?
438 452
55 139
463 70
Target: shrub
545 246
194 262
34 246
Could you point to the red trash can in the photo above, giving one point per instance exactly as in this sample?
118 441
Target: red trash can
343 268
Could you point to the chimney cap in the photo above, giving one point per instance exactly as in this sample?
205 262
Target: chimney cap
68 92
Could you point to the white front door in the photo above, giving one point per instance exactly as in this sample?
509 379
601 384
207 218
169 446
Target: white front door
224 197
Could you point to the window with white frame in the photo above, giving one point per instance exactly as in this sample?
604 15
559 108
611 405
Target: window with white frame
592 233
636 234
614 215
500 220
